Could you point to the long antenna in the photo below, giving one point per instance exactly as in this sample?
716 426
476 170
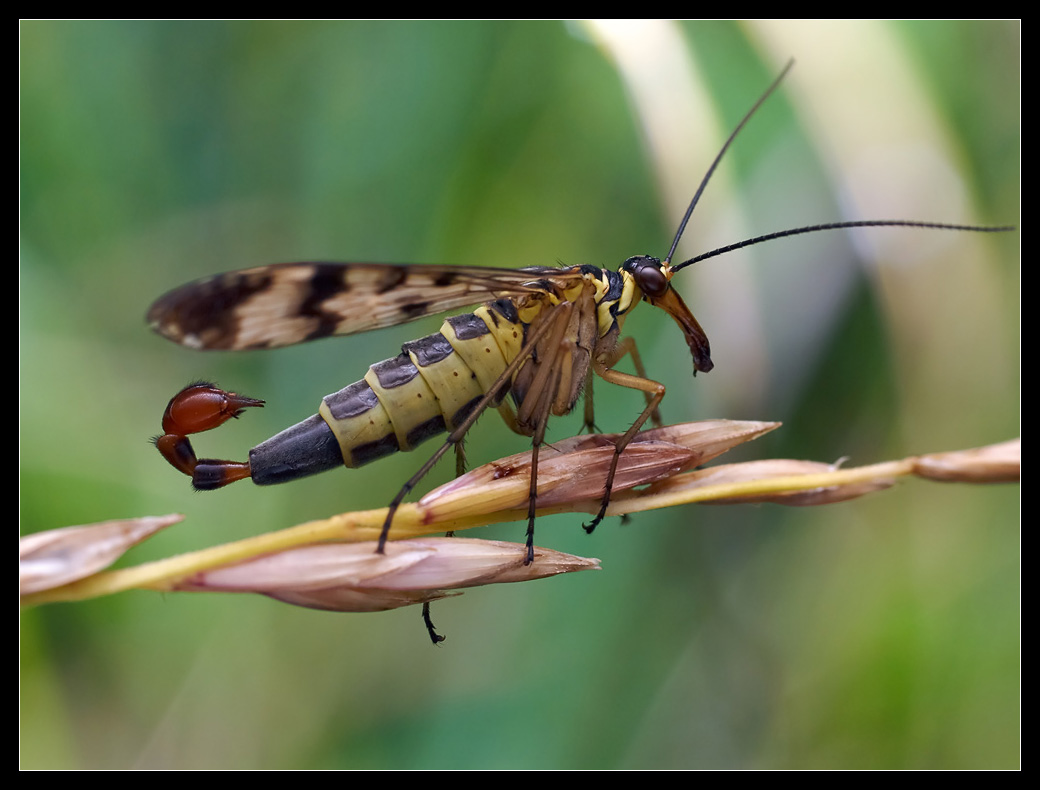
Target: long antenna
874 223
707 176
867 223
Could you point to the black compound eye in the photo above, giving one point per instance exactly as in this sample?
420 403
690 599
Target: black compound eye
650 278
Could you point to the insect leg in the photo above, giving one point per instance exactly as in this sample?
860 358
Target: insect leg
590 412
654 392
532 499
625 346
547 393
456 435
628 346
460 469
539 394
545 402
460 459
431 629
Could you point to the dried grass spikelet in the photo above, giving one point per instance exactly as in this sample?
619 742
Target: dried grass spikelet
352 577
332 564
60 556
997 463
572 471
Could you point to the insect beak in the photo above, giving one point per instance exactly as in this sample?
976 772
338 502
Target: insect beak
673 304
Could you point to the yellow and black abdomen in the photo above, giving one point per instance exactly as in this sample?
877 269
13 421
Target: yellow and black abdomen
430 388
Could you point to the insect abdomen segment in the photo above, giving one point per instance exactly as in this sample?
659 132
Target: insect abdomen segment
304 449
430 388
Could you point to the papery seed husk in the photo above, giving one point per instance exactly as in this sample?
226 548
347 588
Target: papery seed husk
345 599
417 564
303 568
995 463
708 438
57 557
562 478
575 469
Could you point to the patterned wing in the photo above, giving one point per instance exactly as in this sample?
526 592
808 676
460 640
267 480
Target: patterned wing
288 303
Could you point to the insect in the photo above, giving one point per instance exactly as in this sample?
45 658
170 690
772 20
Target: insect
538 339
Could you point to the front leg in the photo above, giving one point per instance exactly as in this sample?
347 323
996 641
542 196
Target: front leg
654 392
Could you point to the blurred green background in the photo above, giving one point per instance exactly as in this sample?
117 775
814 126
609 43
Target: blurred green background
882 632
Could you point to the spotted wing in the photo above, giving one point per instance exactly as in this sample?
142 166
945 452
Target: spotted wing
288 303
